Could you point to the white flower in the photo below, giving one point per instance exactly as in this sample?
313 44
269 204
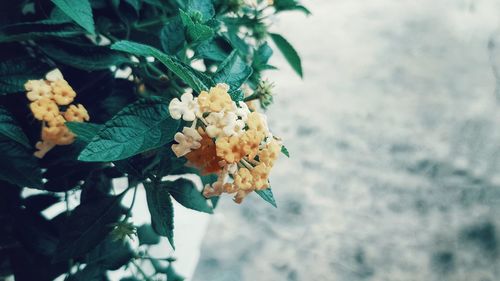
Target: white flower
38 89
188 140
242 110
54 75
187 107
215 125
224 124
232 125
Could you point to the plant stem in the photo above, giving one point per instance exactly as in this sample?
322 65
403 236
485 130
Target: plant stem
146 277
129 213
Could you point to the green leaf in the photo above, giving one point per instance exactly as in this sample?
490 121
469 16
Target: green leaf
262 55
18 165
139 127
81 55
34 30
87 226
147 235
39 202
161 210
267 194
236 42
289 52
289 5
285 151
110 255
205 7
78 10
233 71
196 80
185 192
172 36
196 32
210 50
10 129
84 131
16 71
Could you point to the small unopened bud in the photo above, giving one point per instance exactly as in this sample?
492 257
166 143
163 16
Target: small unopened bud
265 94
122 230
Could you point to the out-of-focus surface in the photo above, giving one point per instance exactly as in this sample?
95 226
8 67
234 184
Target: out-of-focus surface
394 139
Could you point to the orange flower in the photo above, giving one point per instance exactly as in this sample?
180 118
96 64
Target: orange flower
229 149
216 100
260 174
44 109
204 158
250 143
243 179
76 113
269 154
63 93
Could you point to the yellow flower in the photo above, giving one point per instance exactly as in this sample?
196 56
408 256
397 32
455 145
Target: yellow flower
269 154
38 89
42 148
250 143
260 174
240 195
44 109
216 100
257 122
243 179
59 135
76 113
229 149
63 93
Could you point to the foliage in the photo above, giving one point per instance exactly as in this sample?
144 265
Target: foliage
159 45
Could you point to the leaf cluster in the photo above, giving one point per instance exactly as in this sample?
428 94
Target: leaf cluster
126 59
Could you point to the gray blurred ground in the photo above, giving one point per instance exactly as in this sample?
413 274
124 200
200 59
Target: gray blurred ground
394 135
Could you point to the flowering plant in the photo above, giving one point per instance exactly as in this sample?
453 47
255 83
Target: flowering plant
96 90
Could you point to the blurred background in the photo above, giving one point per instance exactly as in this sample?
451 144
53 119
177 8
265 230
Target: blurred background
394 139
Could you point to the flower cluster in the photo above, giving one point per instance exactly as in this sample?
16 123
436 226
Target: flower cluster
225 138
48 96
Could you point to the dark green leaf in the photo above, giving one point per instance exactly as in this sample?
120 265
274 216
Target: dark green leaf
16 71
197 32
110 255
262 55
172 36
161 210
193 78
84 131
289 5
87 226
285 151
80 55
141 126
233 71
40 202
18 166
147 235
172 275
185 192
10 129
205 7
267 194
79 11
236 42
211 50
89 273
289 52
38 29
